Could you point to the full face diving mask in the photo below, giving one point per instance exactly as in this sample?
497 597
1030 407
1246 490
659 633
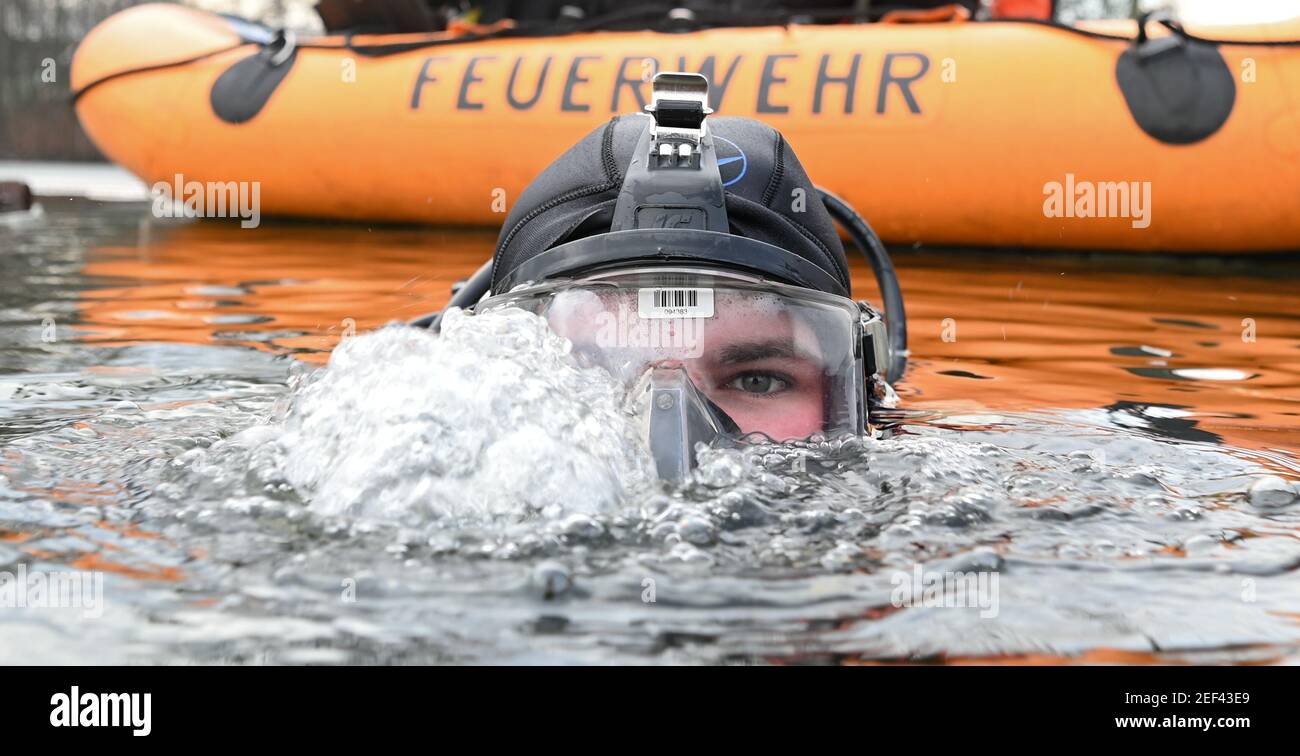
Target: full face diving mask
716 337
716 357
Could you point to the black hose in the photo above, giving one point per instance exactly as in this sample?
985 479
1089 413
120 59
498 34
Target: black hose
874 250
471 291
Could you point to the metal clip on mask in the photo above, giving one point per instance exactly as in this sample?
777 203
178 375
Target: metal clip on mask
673 180
737 323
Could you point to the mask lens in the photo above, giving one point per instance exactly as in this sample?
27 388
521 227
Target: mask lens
776 360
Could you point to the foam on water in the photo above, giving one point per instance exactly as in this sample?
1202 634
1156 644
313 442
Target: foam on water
492 439
493 419
482 497
390 468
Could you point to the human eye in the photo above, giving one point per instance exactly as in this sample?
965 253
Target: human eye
760 382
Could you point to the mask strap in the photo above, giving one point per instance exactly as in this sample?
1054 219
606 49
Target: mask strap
673 181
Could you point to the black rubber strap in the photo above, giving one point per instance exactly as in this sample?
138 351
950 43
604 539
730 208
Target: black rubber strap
686 247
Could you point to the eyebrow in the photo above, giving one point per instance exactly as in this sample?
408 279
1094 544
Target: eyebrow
754 351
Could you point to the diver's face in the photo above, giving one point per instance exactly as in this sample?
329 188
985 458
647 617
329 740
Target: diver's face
759 364
759 371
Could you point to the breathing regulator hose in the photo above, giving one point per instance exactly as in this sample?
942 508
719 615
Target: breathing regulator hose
463 295
866 240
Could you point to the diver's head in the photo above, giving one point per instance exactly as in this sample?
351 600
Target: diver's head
694 261
674 188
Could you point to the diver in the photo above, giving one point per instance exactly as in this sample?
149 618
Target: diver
692 259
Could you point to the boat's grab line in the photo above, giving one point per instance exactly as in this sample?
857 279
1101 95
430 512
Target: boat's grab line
549 31
76 95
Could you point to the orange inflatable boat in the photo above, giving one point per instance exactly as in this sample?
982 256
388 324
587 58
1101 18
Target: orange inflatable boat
991 134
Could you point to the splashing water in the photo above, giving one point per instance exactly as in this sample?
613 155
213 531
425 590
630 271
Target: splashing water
495 423
393 466
480 496
492 441
493 418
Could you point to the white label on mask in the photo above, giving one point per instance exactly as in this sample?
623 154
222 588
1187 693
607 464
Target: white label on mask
675 303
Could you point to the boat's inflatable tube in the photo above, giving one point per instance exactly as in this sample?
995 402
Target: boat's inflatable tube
989 134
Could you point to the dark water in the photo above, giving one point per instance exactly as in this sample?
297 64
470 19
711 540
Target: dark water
1108 443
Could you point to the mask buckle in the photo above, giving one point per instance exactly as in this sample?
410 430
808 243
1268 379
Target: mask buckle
673 180
875 340
679 102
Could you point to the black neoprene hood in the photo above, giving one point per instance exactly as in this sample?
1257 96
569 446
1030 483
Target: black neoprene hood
769 200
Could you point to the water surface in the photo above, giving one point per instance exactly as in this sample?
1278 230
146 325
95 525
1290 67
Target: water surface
1113 437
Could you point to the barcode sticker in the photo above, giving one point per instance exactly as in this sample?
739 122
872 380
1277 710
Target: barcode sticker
675 303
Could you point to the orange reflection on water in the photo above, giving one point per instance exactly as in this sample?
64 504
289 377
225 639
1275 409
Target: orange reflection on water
300 286
989 333
1013 333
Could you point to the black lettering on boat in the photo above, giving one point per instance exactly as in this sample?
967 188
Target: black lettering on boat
717 86
904 83
622 80
849 81
468 80
537 91
769 80
572 81
424 77
529 78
